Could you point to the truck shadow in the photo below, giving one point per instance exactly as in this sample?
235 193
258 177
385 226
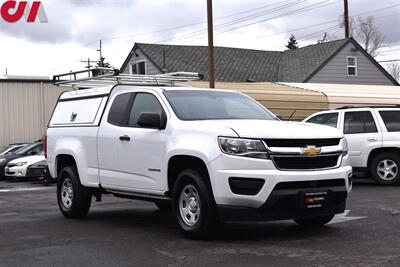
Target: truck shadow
155 222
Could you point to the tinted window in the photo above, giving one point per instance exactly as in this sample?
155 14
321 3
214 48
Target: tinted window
35 148
215 105
391 119
143 103
329 119
118 112
359 122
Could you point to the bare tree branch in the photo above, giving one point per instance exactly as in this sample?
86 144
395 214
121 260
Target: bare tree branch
394 70
368 32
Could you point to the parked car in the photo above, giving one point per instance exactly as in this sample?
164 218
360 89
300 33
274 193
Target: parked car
39 170
12 148
18 167
29 150
212 154
373 136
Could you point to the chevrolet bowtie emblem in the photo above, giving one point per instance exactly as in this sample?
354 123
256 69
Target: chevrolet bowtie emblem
311 151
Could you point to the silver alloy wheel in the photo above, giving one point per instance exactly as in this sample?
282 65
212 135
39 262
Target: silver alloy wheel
387 169
189 205
67 193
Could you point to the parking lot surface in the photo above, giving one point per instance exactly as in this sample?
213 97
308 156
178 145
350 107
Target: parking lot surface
121 232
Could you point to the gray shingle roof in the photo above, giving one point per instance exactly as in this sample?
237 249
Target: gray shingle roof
298 64
240 65
231 64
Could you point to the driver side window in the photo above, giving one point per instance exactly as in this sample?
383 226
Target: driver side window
143 103
329 119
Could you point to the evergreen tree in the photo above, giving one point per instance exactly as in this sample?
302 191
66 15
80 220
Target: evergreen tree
292 43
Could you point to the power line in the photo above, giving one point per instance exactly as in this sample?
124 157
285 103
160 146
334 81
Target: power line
297 29
300 10
185 25
220 26
389 60
312 35
391 50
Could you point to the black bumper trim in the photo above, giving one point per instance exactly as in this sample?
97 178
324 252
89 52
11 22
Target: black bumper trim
286 205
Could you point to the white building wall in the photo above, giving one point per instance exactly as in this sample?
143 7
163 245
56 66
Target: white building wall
25 109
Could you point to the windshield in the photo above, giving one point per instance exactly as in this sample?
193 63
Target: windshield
34 147
4 148
215 105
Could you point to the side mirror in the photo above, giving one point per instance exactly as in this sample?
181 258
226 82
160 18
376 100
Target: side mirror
151 120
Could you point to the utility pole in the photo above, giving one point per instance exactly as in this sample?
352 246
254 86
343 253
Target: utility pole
210 44
88 62
101 55
346 19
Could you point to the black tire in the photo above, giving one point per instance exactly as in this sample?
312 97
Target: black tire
207 217
163 205
314 222
79 204
376 168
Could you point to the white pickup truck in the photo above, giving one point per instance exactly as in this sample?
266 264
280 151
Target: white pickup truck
212 155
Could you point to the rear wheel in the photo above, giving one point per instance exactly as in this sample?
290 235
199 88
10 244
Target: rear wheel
314 222
193 205
73 199
384 169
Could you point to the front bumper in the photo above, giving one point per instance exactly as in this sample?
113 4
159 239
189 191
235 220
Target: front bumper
38 172
225 167
288 201
15 171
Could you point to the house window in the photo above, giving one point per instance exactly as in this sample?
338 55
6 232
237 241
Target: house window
351 66
138 67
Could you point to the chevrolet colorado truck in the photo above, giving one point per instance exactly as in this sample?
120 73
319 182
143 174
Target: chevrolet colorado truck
209 155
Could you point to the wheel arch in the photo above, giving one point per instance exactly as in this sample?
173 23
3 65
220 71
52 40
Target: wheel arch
179 163
64 160
381 150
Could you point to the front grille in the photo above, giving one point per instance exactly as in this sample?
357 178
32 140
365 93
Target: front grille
302 142
305 163
10 165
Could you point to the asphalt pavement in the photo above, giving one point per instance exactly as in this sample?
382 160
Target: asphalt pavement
121 232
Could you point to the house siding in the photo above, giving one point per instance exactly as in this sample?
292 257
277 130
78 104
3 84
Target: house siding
150 67
335 71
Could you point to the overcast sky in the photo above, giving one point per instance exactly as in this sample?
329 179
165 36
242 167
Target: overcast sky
75 26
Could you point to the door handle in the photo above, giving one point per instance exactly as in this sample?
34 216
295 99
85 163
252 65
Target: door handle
372 139
124 138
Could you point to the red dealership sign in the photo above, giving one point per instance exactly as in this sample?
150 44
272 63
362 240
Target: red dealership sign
13 11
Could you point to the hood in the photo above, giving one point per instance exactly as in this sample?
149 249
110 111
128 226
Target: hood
7 158
269 129
30 159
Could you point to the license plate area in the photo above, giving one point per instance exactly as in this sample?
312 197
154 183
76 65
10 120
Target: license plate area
314 199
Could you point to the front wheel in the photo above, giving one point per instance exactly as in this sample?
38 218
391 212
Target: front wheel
384 169
73 199
194 206
314 222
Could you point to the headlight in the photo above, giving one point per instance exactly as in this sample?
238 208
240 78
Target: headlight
243 147
19 164
345 147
